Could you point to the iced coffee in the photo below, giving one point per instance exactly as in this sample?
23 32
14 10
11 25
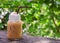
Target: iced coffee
14 26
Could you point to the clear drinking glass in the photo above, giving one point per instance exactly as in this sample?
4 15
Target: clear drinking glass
14 26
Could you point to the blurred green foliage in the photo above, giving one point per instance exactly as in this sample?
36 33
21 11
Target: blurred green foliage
43 19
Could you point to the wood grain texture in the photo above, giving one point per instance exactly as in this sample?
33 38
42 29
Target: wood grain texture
26 39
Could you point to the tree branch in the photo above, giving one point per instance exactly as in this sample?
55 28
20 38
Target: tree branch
22 7
53 21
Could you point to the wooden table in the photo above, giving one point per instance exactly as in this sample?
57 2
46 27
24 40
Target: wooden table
26 39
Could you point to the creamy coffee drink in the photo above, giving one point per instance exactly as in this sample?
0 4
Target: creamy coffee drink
14 26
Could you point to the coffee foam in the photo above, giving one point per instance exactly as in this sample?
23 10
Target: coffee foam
14 17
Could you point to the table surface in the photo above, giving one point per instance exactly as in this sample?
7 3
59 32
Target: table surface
26 39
